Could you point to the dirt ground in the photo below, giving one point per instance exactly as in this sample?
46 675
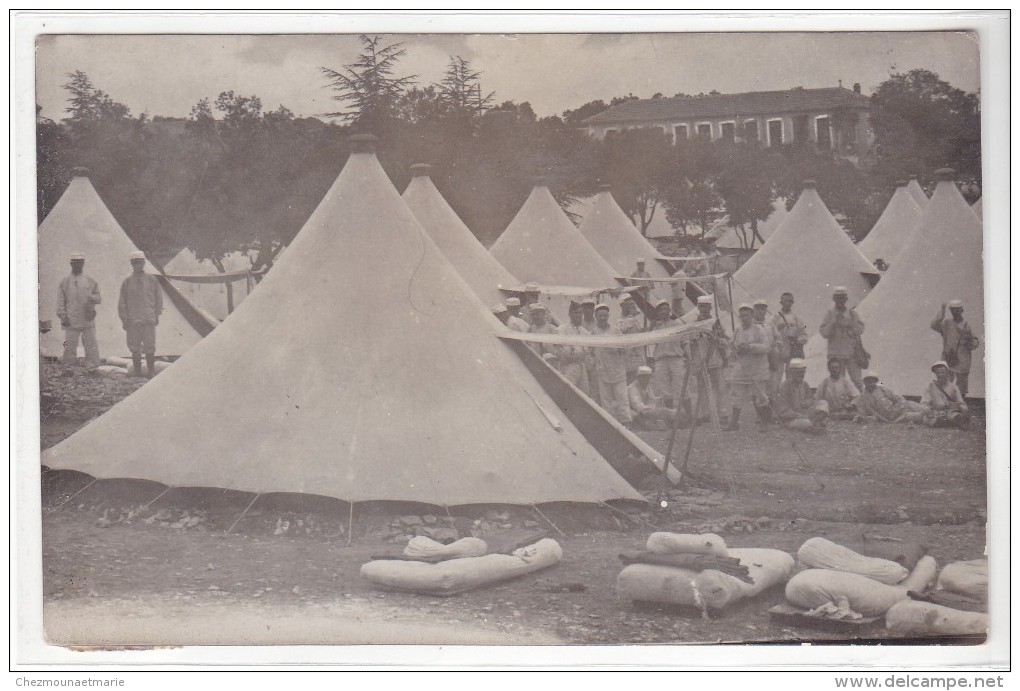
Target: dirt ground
119 570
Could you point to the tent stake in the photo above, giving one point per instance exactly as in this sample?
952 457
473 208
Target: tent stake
548 521
635 519
231 529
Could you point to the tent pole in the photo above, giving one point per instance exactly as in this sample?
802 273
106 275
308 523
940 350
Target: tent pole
729 284
350 524
250 504
702 382
676 421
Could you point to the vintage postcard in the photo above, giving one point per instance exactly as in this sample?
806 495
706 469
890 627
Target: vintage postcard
613 338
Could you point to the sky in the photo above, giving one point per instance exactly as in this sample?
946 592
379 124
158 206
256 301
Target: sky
167 74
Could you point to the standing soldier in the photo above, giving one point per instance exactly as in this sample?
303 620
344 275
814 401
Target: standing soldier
539 326
611 369
751 376
141 303
792 332
630 323
776 365
77 298
574 358
842 328
958 342
671 360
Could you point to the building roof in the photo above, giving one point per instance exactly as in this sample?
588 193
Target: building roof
722 105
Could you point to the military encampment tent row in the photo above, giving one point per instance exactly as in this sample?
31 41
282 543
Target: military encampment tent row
808 255
893 229
941 262
212 297
476 266
541 245
81 222
401 392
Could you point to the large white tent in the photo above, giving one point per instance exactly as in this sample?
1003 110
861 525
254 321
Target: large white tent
893 228
367 371
729 237
808 255
80 222
976 206
476 266
614 237
212 297
941 262
541 245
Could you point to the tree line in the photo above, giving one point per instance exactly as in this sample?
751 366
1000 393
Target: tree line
235 175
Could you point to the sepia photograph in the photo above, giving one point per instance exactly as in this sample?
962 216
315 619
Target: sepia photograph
661 339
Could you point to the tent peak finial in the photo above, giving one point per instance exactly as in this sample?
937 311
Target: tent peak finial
420 170
945 174
363 143
605 187
901 183
79 172
809 184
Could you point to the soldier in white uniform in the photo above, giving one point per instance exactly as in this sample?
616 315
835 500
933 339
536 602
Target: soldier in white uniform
77 297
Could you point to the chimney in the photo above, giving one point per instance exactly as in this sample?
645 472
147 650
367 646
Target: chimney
420 170
857 87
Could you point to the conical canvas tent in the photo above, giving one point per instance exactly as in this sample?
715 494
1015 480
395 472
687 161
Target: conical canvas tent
659 227
80 222
976 207
458 244
541 245
369 371
212 297
941 262
808 255
614 237
893 228
728 237
914 187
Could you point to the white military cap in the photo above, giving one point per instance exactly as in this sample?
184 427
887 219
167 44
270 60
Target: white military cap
77 255
137 254
868 374
956 303
662 302
745 306
513 302
601 306
498 309
705 300
797 363
537 307
840 290
531 288
644 369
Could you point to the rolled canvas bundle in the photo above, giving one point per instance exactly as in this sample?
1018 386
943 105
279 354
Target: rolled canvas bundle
705 589
909 617
460 575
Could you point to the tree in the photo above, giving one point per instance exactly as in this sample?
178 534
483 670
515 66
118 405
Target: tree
690 196
368 86
923 123
746 187
636 163
461 89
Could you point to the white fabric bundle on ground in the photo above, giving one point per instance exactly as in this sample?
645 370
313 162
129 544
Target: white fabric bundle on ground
422 546
111 369
126 364
817 587
674 543
968 578
909 617
706 589
819 553
460 575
